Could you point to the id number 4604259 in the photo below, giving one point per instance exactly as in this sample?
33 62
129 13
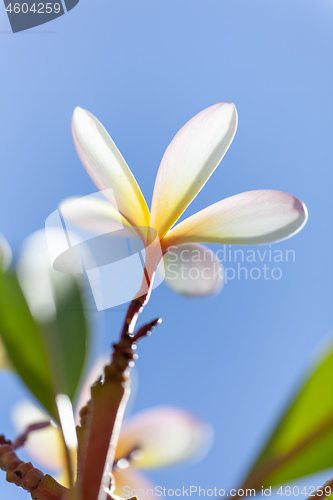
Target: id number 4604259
35 8
310 491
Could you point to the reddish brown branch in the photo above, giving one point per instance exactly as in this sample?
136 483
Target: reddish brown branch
133 311
26 476
147 329
101 418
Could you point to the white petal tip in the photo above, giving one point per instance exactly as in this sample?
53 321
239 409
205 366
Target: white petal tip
76 112
231 108
80 114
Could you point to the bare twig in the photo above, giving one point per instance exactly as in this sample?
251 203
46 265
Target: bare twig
25 475
146 330
21 440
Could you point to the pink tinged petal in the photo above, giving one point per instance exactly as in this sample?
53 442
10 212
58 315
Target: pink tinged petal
107 167
96 216
251 218
131 483
163 436
189 161
193 270
43 446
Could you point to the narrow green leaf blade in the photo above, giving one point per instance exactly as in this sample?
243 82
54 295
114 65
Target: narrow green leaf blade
43 325
69 330
302 442
5 254
56 302
22 339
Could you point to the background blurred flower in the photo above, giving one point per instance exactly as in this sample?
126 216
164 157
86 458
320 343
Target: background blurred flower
156 437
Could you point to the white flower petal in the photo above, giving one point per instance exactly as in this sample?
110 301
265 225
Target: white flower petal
189 161
163 436
193 270
107 167
251 218
43 446
92 214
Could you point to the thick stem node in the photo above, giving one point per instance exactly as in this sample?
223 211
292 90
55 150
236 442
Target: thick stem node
26 476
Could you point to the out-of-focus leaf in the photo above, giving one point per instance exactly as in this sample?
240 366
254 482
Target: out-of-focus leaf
5 254
71 329
4 360
24 343
55 300
302 442
50 319
5 260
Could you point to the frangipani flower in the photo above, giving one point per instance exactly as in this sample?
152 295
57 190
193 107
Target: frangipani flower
254 217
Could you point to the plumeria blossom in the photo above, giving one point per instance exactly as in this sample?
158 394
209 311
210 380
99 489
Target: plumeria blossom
153 438
250 218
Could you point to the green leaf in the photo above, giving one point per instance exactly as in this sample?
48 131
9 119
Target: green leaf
5 254
302 442
43 325
68 340
23 341
4 359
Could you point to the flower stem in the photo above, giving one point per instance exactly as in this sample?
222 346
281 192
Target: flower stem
101 418
134 310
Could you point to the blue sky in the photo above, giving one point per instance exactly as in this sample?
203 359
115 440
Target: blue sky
144 68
